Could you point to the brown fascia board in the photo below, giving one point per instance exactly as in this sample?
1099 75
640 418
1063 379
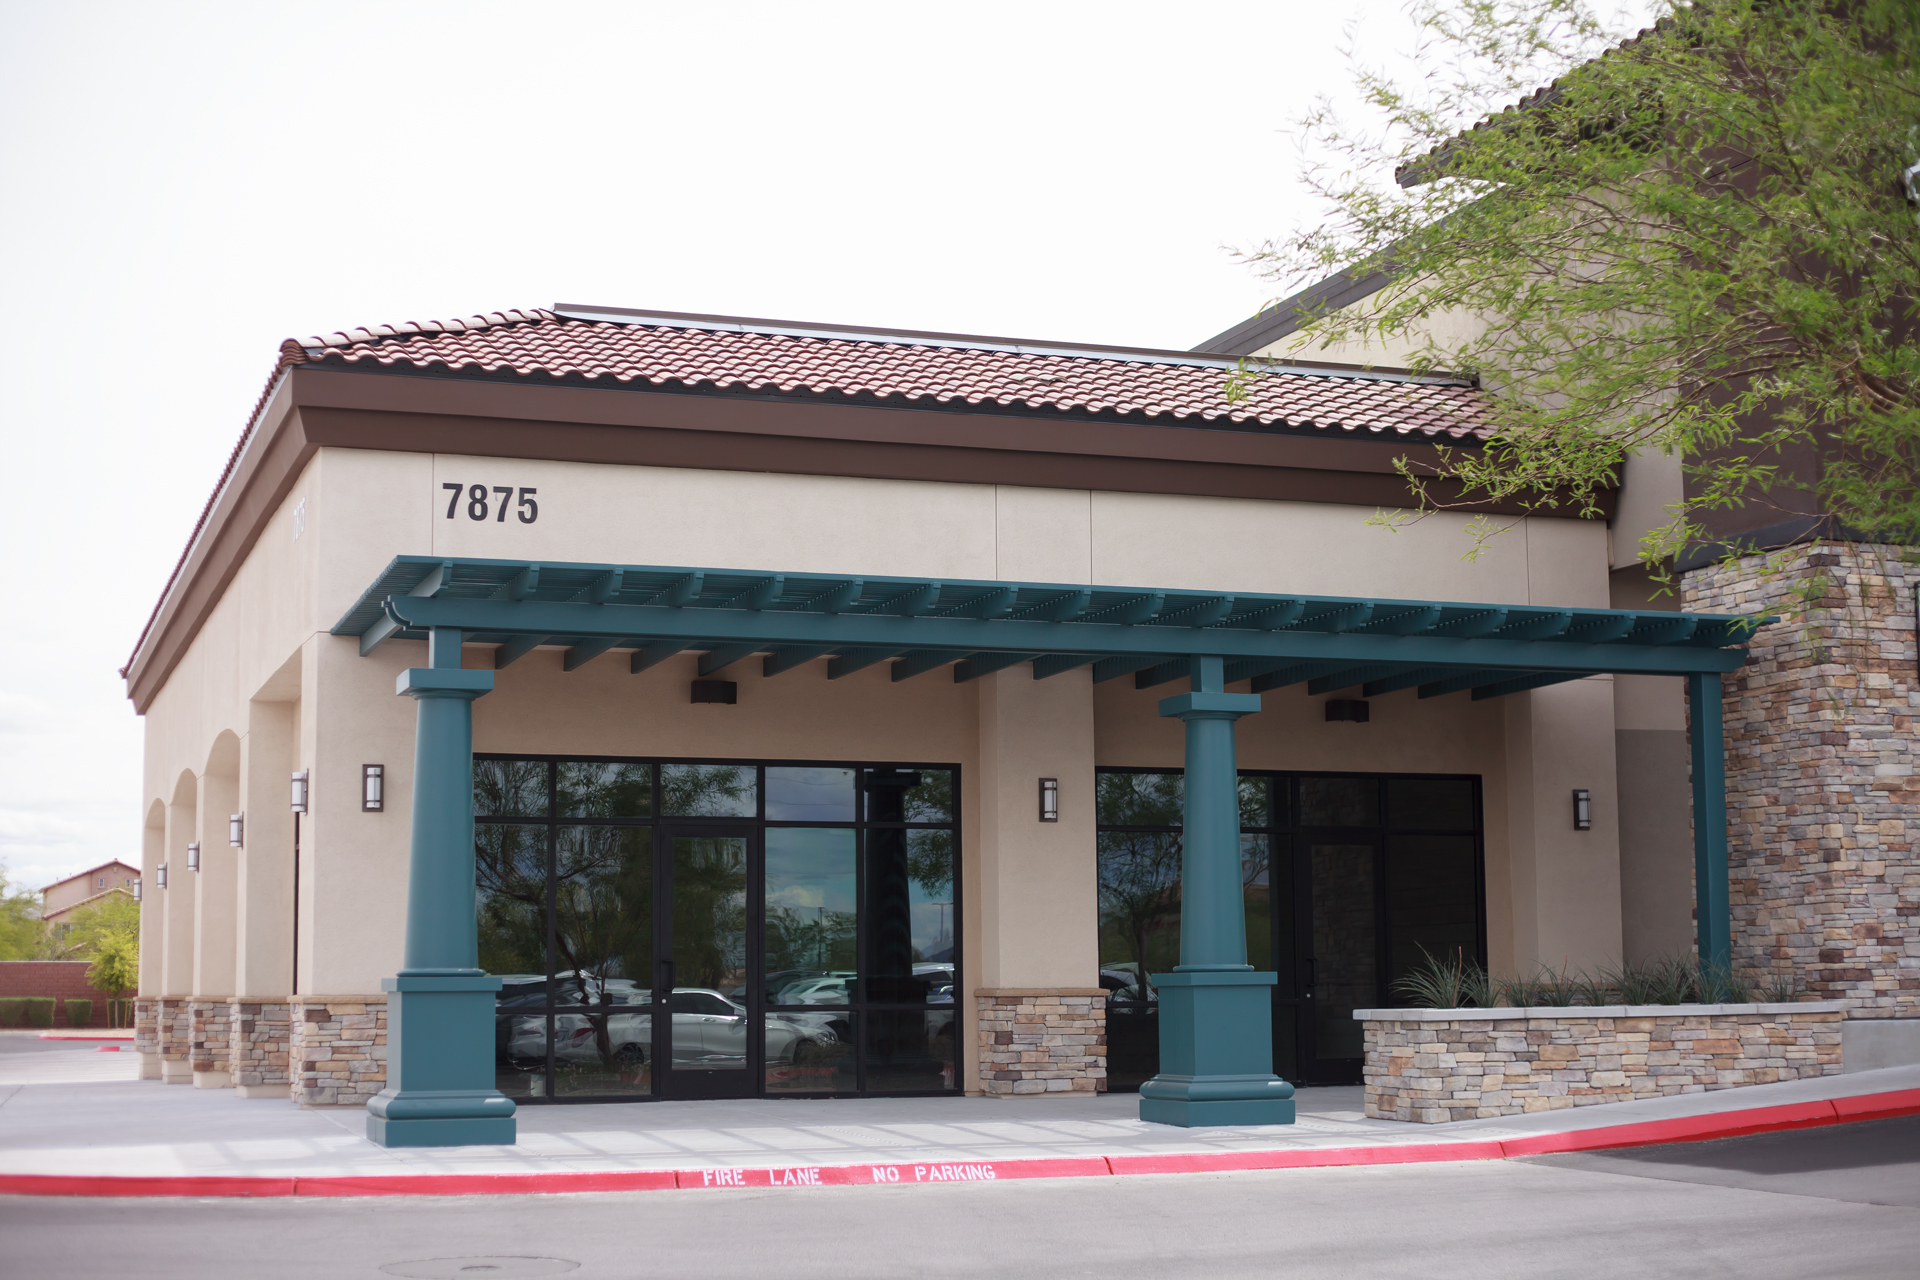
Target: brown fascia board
358 409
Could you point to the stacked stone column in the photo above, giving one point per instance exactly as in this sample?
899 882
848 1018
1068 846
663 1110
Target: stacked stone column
259 1047
338 1049
1822 797
207 1043
174 1019
1051 1040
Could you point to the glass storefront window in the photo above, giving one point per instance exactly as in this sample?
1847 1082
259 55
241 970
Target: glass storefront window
809 795
1337 915
811 915
708 791
591 789
722 929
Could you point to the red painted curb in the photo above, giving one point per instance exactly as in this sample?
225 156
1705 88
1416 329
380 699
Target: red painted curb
1724 1124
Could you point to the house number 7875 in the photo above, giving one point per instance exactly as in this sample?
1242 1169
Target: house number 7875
478 502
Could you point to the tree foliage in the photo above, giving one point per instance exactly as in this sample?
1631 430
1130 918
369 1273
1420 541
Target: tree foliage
19 923
81 935
1695 241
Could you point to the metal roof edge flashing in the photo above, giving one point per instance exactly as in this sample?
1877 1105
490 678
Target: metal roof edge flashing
976 342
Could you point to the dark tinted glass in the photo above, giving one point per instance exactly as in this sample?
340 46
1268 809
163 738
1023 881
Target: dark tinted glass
1257 890
708 790
810 915
809 795
1346 968
1433 900
510 880
606 1051
1139 911
1339 802
1256 804
1429 804
811 1052
591 789
509 788
1140 799
603 916
909 877
908 795
909 1051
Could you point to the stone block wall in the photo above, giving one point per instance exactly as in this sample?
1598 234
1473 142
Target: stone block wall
338 1049
207 1042
1047 1040
1823 802
146 1036
1431 1066
175 1019
259 1047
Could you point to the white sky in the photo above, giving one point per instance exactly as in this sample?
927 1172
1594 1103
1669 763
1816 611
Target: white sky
188 184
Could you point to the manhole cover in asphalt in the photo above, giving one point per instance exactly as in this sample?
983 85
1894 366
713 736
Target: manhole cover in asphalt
479 1268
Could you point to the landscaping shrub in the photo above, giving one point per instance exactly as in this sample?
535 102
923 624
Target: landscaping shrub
13 1011
79 1013
39 1010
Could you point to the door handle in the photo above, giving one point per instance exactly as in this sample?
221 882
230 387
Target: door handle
666 971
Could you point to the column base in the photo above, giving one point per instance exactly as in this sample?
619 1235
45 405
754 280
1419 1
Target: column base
471 1131
1190 1103
263 1090
176 1071
212 1079
149 1066
1216 1052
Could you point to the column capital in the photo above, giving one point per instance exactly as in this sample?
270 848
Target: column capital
1210 706
439 682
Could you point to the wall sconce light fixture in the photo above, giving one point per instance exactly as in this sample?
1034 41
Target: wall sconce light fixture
373 787
299 792
1582 809
193 855
137 895
163 875
1049 799
236 829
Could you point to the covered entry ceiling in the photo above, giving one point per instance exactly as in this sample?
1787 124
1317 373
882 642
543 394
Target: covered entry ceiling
918 625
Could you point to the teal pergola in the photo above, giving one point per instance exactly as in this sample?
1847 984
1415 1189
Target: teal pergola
1215 1037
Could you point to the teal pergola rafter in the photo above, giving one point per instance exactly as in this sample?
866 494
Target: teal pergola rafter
973 627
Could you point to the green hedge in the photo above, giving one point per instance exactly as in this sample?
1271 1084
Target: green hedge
13 1011
79 1013
39 1010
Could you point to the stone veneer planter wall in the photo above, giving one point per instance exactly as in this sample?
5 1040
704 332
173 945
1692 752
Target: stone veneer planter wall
1823 799
1431 1066
1042 1040
338 1049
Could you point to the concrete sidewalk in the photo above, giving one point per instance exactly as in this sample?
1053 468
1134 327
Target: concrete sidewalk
80 1113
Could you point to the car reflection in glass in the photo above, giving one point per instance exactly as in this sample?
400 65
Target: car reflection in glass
709 1031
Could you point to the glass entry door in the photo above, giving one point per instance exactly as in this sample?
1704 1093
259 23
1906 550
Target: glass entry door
706 1029
1337 881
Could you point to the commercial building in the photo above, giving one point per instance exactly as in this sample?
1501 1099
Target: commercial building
813 710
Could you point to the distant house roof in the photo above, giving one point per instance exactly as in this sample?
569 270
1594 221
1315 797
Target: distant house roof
94 871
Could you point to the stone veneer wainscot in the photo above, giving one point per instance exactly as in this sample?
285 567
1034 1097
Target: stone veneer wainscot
1042 1040
338 1049
1823 801
1431 1066
259 1052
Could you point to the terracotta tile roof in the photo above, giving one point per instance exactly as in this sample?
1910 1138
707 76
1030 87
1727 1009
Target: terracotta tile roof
949 370
935 370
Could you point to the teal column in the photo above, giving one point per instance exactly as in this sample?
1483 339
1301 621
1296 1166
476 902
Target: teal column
1712 902
1216 1013
441 1005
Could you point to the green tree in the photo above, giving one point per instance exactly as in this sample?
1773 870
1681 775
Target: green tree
80 935
1698 241
116 964
19 922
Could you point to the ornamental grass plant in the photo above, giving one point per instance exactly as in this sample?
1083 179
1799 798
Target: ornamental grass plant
1455 982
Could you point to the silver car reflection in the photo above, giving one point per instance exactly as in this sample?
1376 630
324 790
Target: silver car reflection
709 1030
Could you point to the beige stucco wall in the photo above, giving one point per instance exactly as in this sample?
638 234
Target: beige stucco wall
264 669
